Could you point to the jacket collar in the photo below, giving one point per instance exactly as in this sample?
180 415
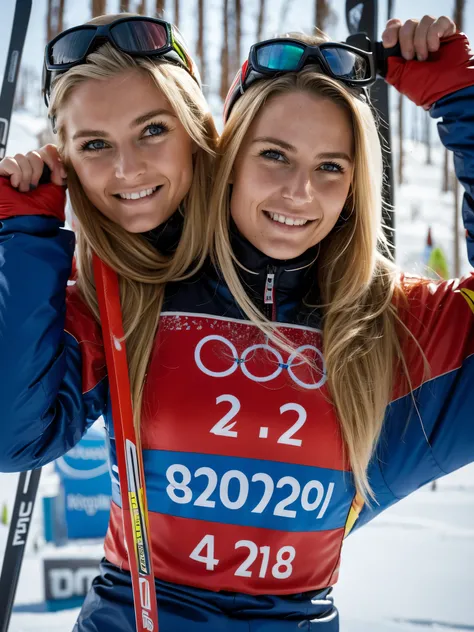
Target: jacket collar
293 277
165 237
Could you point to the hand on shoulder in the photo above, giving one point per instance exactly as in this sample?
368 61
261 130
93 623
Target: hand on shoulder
24 170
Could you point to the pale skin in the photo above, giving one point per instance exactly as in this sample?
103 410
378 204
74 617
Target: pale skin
122 138
293 172
130 161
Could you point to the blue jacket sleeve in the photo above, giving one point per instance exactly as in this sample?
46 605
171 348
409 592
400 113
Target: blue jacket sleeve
429 428
44 411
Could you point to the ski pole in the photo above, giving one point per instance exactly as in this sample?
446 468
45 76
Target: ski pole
129 456
16 543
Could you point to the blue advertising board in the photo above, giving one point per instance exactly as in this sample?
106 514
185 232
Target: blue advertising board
85 488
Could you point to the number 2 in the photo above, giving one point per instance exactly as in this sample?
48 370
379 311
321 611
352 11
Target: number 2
302 415
221 428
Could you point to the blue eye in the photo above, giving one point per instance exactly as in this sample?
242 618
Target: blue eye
273 154
155 129
93 145
332 167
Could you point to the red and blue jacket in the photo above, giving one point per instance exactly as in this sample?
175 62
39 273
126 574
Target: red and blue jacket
249 490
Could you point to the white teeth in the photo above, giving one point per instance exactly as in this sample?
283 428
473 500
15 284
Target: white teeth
289 221
137 194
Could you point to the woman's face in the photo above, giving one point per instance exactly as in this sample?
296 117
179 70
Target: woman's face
131 153
292 174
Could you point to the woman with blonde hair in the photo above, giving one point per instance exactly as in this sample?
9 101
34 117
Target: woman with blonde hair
348 382
136 144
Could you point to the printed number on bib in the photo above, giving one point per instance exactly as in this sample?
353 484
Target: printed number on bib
224 428
281 567
312 496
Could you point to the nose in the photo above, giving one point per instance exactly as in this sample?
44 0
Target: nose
299 188
129 165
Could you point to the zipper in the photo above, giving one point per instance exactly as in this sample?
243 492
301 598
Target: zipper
269 294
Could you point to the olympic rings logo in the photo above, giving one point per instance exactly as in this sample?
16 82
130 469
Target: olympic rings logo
241 362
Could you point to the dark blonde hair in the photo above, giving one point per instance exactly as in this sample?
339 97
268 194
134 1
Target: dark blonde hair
141 269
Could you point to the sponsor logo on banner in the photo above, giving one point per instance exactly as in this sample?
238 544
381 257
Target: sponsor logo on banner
79 462
88 504
68 578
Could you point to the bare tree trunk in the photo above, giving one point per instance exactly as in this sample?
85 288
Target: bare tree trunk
389 9
98 7
429 160
49 21
125 6
459 20
459 7
176 12
238 31
60 24
54 18
400 137
141 9
284 9
200 42
225 52
445 172
414 125
261 17
160 8
321 16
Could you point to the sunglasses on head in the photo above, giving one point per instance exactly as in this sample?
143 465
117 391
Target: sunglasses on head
350 65
135 36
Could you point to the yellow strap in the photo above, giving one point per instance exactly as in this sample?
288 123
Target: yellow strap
469 296
354 513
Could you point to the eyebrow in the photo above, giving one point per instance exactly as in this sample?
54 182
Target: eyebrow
323 156
138 121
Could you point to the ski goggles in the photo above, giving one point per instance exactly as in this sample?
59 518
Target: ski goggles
350 65
136 36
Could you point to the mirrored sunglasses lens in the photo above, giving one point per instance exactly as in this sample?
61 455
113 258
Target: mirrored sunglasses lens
72 47
346 64
279 56
140 35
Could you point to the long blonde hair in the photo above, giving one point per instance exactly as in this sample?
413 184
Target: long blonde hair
141 269
357 282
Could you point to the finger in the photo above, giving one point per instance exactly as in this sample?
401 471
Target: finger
52 158
421 37
26 173
390 35
10 169
407 37
442 27
37 164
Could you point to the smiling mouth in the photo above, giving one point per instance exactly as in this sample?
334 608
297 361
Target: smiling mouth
287 221
137 195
